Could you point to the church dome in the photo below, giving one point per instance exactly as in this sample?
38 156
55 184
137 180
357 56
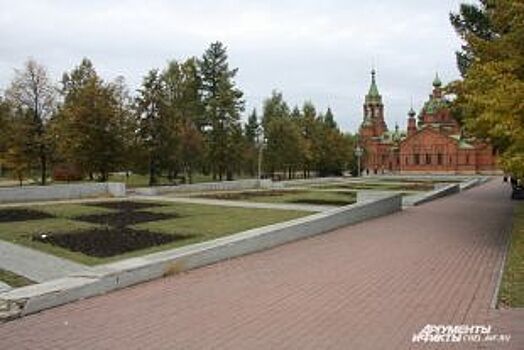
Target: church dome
436 81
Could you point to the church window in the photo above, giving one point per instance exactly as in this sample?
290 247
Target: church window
467 158
439 158
416 158
428 158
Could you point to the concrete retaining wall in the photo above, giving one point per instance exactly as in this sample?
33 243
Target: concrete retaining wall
312 181
57 192
27 300
208 186
233 185
441 191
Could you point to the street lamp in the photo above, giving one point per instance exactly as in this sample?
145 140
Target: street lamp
261 141
358 153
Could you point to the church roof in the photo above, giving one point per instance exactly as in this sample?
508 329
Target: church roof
436 81
373 94
462 142
434 105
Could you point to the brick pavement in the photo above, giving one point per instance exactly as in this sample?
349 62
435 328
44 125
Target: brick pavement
367 286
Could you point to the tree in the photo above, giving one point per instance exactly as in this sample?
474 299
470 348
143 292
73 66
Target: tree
253 140
152 121
274 108
191 148
183 108
18 153
329 120
284 146
492 91
252 127
31 91
471 20
223 104
5 112
93 124
310 137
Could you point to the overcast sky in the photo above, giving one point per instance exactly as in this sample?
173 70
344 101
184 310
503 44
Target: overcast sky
310 50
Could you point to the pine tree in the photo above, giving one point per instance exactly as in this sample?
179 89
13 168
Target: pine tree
329 119
223 104
150 105
471 20
252 127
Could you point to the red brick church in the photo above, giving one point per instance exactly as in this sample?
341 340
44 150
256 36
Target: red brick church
432 143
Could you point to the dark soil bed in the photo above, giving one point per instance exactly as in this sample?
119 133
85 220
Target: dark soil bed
334 202
124 218
249 194
10 215
125 205
107 242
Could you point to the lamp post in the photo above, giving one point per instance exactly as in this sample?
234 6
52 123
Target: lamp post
358 153
261 141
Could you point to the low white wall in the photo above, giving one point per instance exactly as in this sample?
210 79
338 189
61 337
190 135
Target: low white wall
58 192
208 186
441 191
233 185
26 300
312 181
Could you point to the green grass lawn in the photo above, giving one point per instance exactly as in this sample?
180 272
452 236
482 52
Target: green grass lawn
197 222
379 186
14 280
299 196
512 287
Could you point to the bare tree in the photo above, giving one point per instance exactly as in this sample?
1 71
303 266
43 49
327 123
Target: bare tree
32 92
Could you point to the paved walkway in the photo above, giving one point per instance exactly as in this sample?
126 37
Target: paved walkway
4 287
367 286
35 265
235 203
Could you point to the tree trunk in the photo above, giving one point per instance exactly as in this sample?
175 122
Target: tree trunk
43 164
152 178
190 174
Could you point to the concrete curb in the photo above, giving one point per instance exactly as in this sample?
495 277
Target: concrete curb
23 301
431 195
4 287
466 185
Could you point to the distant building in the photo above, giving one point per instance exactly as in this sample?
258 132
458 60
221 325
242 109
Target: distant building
432 143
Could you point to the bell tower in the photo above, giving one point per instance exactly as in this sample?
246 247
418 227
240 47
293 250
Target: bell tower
374 110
